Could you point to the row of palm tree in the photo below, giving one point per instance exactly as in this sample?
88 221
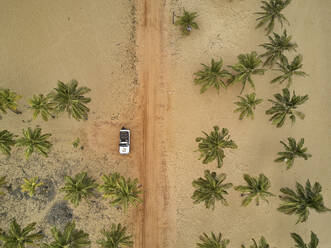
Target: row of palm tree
120 191
17 237
212 188
217 241
33 141
212 147
66 97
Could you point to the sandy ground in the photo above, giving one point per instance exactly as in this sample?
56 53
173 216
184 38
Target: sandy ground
94 42
226 30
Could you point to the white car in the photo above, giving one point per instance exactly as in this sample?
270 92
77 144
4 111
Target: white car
124 146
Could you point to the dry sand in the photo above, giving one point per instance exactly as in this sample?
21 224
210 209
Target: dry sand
226 30
94 42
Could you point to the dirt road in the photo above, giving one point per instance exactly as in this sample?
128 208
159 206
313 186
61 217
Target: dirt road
154 109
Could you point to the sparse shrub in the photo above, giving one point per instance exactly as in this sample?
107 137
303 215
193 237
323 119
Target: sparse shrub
187 23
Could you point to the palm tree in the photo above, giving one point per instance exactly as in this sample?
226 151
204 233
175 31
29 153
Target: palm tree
120 191
78 188
210 189
261 244
284 106
248 65
69 238
276 48
34 141
214 241
6 142
292 151
20 237
256 187
3 183
212 76
115 237
69 97
30 185
212 146
42 105
299 202
272 12
8 100
246 105
301 244
289 70
186 22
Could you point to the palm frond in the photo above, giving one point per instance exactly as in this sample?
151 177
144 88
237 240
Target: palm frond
30 185
247 66
34 141
78 188
20 237
8 101
70 237
115 237
70 98
284 106
210 189
212 241
292 150
43 106
272 13
261 244
299 243
278 44
6 142
212 76
246 105
120 191
302 200
256 188
187 23
212 146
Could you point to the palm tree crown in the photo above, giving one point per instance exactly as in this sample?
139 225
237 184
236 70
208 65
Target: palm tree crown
19 237
30 185
271 12
284 106
292 151
289 70
34 141
212 76
120 191
299 202
69 97
256 187
246 105
8 100
69 238
42 105
6 142
115 237
248 65
261 244
210 189
78 188
214 241
212 146
301 244
276 48
186 22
